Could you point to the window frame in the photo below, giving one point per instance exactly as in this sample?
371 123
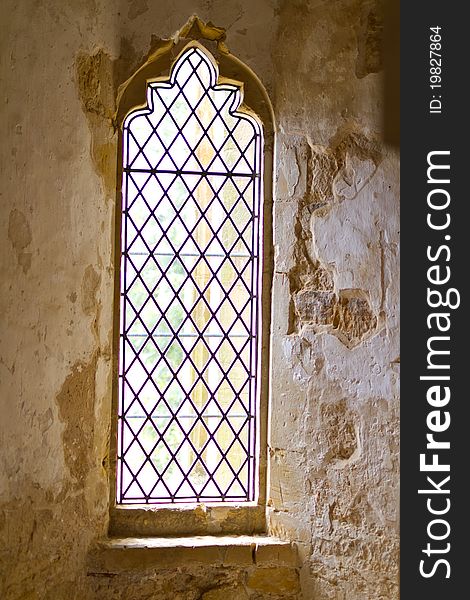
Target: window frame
223 517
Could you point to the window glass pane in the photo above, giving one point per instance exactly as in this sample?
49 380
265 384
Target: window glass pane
191 245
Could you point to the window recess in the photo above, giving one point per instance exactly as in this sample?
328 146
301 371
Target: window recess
188 426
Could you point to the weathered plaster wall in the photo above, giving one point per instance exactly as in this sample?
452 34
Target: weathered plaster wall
55 278
335 345
335 350
334 448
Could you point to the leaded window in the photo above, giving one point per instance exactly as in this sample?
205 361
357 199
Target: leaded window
190 302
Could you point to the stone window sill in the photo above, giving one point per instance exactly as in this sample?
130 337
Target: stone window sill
147 521
115 555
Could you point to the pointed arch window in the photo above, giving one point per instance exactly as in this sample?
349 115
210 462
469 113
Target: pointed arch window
190 279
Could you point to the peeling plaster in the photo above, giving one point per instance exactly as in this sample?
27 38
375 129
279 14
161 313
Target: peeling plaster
90 285
347 315
137 8
96 92
334 174
370 38
76 401
19 234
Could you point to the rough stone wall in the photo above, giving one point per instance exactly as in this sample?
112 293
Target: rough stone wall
334 444
334 447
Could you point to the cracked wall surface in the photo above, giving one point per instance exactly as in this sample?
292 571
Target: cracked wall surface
335 355
335 343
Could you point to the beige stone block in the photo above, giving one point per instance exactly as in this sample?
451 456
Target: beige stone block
226 593
116 555
281 554
238 555
274 580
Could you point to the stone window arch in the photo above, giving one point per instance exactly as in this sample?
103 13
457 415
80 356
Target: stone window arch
183 233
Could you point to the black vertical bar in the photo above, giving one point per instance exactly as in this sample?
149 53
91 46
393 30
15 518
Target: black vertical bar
434 524
255 369
251 395
123 266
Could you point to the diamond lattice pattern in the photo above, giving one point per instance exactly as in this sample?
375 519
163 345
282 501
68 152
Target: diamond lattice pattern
189 292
